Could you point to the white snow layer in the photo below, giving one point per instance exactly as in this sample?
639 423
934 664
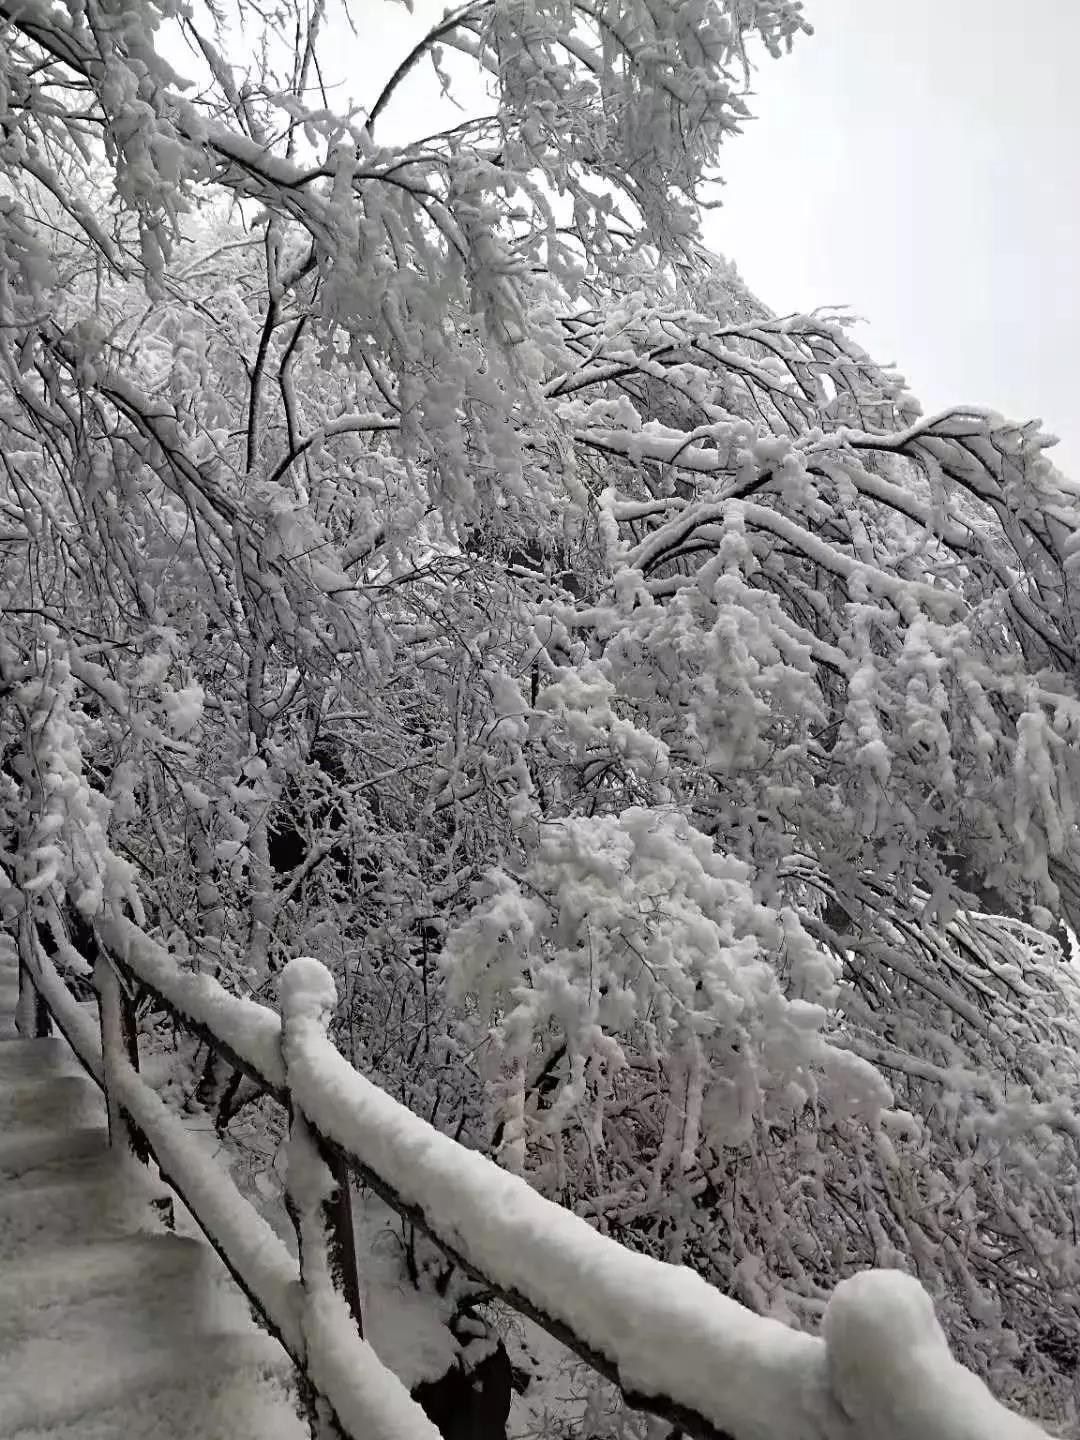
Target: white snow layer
313 1321
105 1332
250 1030
665 1330
881 1365
79 1026
258 1256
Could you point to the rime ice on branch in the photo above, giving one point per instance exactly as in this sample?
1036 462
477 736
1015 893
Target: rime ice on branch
427 557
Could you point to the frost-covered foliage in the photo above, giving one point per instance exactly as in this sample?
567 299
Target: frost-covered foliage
631 944
425 556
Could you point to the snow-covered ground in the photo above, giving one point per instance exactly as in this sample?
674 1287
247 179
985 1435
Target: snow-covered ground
110 1328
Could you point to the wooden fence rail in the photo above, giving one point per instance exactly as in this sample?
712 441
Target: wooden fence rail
673 1344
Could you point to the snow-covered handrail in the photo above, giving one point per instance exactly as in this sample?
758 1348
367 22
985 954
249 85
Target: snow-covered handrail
46 996
310 1305
246 1033
880 1370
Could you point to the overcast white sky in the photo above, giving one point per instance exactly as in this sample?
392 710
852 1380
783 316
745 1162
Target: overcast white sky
920 162
917 161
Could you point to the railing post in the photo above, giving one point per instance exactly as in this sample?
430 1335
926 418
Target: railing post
317 1194
341 1238
31 1013
305 1015
119 1040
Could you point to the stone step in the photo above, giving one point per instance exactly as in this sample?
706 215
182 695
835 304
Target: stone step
51 1102
32 1152
24 1059
212 1387
141 1288
69 1205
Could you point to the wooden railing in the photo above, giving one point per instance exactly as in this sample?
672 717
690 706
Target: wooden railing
673 1344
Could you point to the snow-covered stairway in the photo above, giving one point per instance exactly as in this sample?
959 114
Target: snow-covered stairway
110 1327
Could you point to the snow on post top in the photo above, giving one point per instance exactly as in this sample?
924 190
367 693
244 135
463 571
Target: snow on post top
307 991
890 1367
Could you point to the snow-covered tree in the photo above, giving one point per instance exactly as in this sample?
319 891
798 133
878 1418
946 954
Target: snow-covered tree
427 556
